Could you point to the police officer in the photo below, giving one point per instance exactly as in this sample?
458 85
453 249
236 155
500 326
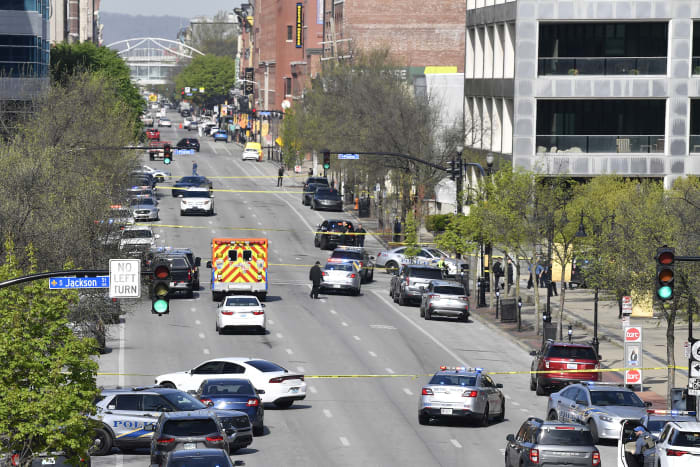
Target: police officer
315 278
360 237
442 264
280 175
644 448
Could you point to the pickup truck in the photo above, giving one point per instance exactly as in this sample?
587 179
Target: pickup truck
407 283
183 274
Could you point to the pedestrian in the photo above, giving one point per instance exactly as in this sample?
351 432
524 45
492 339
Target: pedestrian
280 175
529 277
194 169
350 239
497 273
361 234
315 278
644 448
551 285
442 265
541 275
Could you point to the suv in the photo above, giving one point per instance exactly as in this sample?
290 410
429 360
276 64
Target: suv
600 406
329 234
541 442
308 193
411 280
188 143
352 254
562 356
679 444
445 298
195 261
182 273
198 429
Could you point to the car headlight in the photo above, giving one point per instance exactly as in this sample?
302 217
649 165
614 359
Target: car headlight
606 418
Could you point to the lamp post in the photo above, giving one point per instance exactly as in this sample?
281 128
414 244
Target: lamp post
460 181
489 163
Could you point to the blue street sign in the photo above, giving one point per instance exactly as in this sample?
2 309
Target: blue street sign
184 152
348 156
98 282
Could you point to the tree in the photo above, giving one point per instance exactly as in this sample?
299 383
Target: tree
47 376
215 74
218 37
411 238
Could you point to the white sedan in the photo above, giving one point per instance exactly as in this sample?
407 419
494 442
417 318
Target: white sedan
250 155
159 175
241 311
165 122
274 383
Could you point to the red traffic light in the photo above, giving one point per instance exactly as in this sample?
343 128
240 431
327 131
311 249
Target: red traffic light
161 272
667 257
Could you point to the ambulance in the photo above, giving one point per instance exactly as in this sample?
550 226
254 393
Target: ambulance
239 266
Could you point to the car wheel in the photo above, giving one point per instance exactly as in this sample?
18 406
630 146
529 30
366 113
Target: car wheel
539 389
371 276
594 431
485 417
182 213
533 384
423 419
324 243
402 300
395 297
190 293
167 384
217 326
284 404
259 430
427 315
552 415
464 317
102 442
422 312
356 292
390 266
502 415
316 242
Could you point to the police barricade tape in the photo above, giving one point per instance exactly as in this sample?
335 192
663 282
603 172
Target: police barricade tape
227 190
240 176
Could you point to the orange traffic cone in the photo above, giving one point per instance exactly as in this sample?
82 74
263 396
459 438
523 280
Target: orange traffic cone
357 203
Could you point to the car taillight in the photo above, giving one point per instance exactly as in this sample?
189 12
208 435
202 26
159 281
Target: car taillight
675 453
463 298
352 276
596 458
534 456
189 275
324 273
258 312
470 393
205 401
427 392
165 440
253 403
546 363
432 295
215 439
227 313
279 379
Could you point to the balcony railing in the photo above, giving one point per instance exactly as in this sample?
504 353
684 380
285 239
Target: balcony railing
602 66
695 143
601 143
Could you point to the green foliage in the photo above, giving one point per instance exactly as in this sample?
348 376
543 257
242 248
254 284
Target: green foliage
437 222
461 234
48 378
68 60
411 237
215 74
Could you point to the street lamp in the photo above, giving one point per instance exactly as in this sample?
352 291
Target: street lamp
489 163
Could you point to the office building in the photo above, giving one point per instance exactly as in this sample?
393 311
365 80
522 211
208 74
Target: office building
75 21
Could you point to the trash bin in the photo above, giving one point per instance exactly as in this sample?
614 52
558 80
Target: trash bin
363 210
509 310
680 400
550 331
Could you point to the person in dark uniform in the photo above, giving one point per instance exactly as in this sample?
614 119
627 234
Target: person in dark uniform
280 175
315 278
361 237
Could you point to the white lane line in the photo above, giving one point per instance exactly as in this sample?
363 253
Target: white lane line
259 223
389 370
201 335
426 333
502 451
344 324
193 309
121 353
300 369
333 312
120 460
212 148
276 252
289 351
515 403
249 208
344 441
313 389
524 410
229 152
213 231
206 351
357 338
279 335
255 215
264 232
373 354
506 396
456 444
211 222
197 322
270 321
327 413
408 391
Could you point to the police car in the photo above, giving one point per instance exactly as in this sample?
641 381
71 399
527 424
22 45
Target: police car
125 414
459 392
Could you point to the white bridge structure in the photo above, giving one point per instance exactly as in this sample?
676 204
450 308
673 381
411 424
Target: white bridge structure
152 59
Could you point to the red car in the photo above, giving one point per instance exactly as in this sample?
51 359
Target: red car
153 134
559 357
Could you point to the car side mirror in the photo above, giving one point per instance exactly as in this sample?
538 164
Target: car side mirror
533 353
262 305
260 391
499 385
647 404
510 438
149 427
209 264
198 261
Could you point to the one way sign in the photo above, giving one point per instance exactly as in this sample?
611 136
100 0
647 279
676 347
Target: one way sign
695 369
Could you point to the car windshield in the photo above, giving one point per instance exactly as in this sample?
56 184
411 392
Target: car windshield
183 401
142 202
265 366
690 439
437 253
140 181
190 427
453 380
577 353
194 460
447 290
222 388
339 267
347 255
194 194
242 301
137 234
656 425
425 273
622 398
190 180
566 437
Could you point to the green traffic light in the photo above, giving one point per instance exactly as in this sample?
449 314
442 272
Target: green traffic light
166 160
326 166
160 306
665 292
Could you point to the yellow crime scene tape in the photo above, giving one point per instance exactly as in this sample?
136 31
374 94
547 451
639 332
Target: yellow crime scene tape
226 190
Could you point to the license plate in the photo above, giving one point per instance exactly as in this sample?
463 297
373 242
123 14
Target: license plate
571 366
445 411
48 461
337 286
294 390
190 446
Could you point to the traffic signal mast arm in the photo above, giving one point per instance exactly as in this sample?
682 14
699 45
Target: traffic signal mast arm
414 159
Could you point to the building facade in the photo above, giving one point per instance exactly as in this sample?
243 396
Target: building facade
586 87
75 21
24 48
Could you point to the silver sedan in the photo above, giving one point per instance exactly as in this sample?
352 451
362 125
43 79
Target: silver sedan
341 276
392 259
144 208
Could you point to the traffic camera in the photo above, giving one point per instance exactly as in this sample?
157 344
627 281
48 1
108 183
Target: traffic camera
665 258
160 287
167 154
326 159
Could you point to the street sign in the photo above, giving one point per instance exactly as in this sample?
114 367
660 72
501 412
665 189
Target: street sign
634 334
187 89
695 350
694 386
153 98
626 305
633 377
201 90
98 282
348 156
633 352
184 152
124 278
695 370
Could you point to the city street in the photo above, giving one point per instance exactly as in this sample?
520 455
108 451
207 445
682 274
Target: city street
343 421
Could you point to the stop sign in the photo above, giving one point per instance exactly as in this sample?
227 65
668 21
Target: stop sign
633 377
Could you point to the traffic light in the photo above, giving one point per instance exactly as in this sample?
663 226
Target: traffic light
665 257
253 113
326 159
160 287
167 154
452 169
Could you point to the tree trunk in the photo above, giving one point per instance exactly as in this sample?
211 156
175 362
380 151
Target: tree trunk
491 289
517 278
475 278
670 353
562 294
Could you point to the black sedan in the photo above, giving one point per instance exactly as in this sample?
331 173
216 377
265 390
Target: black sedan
309 191
327 199
191 181
188 143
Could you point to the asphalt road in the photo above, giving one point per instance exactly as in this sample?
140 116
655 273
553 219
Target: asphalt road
349 421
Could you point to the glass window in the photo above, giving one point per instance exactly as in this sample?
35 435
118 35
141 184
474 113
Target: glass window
449 290
618 398
156 403
521 433
664 434
183 401
232 368
24 5
290 32
209 368
453 380
233 387
566 437
339 267
128 402
689 439
265 366
242 301
190 427
569 393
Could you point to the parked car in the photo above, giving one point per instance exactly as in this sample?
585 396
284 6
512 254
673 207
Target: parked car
341 276
198 457
234 394
391 259
559 357
197 429
153 134
190 181
221 135
164 121
308 193
679 445
445 298
327 199
410 281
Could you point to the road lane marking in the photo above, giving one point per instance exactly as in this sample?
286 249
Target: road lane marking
211 222
372 354
201 335
212 148
270 321
206 351
197 322
300 369
408 391
344 324
193 309
289 351
333 312
357 338
455 443
524 410
279 335
313 389
344 441
259 223
327 413
390 371
515 403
